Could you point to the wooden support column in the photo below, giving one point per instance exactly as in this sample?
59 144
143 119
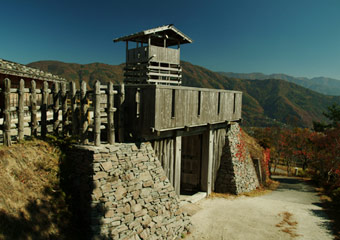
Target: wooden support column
177 168
34 119
110 112
97 121
207 161
56 107
83 113
44 110
171 162
73 92
21 110
121 113
7 113
64 108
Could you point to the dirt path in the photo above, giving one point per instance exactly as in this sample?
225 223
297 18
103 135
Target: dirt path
291 212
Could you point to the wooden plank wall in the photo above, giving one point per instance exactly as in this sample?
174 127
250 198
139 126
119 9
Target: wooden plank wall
165 55
164 108
195 107
164 150
219 136
158 54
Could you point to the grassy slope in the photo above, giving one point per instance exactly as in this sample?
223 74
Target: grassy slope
32 205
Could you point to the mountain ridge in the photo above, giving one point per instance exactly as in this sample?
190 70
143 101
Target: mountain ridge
325 85
265 102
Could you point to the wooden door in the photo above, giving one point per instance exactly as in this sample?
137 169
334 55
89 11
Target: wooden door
191 164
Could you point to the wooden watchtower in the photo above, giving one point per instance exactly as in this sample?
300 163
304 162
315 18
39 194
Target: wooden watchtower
156 57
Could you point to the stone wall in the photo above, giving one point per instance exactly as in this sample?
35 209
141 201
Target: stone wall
122 193
236 173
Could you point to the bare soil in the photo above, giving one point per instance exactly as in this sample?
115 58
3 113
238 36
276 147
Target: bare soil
292 211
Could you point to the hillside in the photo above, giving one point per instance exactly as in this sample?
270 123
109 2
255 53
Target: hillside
328 86
265 102
82 72
32 205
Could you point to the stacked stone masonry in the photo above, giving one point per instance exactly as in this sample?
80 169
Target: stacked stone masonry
236 173
130 196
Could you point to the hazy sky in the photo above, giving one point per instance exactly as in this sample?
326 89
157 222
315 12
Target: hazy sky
296 37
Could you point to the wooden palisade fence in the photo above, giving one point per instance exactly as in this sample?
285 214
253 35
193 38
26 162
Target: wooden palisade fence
70 111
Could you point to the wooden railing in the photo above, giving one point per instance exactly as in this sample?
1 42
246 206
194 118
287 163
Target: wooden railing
60 108
158 108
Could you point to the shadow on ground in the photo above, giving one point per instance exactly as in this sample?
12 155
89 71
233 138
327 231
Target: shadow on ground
331 212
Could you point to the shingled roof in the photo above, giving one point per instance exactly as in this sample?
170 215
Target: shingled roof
173 35
17 69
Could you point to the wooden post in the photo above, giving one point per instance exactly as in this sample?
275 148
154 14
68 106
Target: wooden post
21 110
7 113
44 110
64 108
83 113
171 162
73 92
110 111
121 113
97 121
178 158
207 161
55 107
34 120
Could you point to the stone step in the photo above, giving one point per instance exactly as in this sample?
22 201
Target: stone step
197 197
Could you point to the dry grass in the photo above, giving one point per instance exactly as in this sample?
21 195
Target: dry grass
222 195
270 186
31 203
287 225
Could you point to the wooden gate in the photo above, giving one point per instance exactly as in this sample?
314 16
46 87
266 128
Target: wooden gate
191 164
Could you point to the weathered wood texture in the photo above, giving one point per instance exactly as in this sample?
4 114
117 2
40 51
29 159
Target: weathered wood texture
162 108
198 159
219 136
153 64
58 108
191 164
157 54
7 113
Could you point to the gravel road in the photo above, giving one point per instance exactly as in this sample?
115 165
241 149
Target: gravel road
291 212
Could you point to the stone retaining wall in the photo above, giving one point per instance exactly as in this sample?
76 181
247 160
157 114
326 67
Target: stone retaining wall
236 173
123 193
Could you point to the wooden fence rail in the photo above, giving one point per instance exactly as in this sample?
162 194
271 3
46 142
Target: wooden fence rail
60 108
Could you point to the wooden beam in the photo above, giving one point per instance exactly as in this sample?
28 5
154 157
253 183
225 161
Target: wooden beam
34 118
110 111
44 108
73 92
83 113
97 121
21 110
177 168
207 161
64 108
7 113
56 96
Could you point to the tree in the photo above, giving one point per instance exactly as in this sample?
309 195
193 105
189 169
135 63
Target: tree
333 114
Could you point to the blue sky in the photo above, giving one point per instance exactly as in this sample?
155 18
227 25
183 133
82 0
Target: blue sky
296 37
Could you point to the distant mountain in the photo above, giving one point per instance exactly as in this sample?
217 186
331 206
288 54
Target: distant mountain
328 86
265 102
83 72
